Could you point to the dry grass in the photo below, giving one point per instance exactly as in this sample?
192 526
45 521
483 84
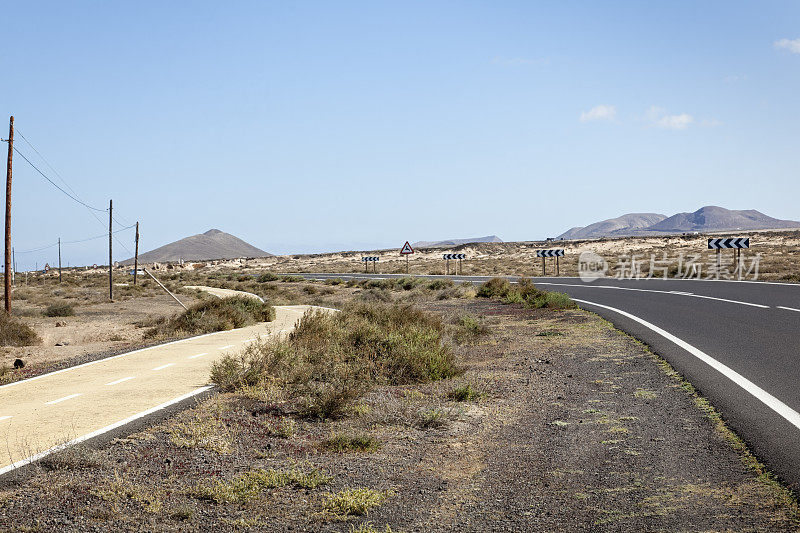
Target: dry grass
354 502
250 485
333 358
213 314
524 292
15 333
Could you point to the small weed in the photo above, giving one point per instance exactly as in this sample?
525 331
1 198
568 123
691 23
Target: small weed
182 513
431 418
351 443
465 393
201 432
549 333
367 527
644 394
250 485
354 502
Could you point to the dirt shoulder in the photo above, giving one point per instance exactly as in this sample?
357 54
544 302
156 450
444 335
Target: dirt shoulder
577 427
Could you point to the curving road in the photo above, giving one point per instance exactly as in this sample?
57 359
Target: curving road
738 343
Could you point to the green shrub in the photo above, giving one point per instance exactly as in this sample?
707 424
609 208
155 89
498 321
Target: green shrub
439 284
215 314
61 309
494 288
267 277
524 292
331 359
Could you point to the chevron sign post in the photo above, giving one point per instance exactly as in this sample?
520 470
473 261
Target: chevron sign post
555 252
734 243
370 259
458 257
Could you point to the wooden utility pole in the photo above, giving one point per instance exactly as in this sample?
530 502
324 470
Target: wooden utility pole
110 260
136 255
8 215
59 259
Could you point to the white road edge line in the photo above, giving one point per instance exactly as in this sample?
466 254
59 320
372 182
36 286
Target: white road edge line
677 293
197 355
120 380
5 417
53 402
14 383
791 416
109 359
226 347
162 367
787 308
115 425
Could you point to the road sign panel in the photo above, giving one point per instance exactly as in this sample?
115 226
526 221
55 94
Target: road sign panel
370 258
406 249
550 253
728 242
454 256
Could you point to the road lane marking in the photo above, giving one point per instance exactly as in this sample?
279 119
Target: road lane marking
226 347
791 416
120 381
53 402
5 417
162 367
115 425
249 340
787 308
677 293
82 365
197 355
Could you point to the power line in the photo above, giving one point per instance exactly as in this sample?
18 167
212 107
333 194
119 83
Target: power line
54 184
76 241
74 194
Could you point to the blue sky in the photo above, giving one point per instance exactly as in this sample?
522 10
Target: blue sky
310 126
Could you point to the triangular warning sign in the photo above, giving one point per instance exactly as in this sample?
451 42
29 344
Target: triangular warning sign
406 249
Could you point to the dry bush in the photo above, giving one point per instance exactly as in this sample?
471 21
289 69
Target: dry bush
333 358
15 333
59 309
217 314
524 292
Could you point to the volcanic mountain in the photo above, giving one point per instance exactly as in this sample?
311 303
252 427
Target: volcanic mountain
213 244
455 242
704 220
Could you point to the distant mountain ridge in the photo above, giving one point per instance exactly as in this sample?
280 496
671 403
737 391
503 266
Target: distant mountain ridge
455 242
213 244
706 219
631 221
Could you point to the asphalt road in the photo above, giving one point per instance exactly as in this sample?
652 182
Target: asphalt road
738 343
41 414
